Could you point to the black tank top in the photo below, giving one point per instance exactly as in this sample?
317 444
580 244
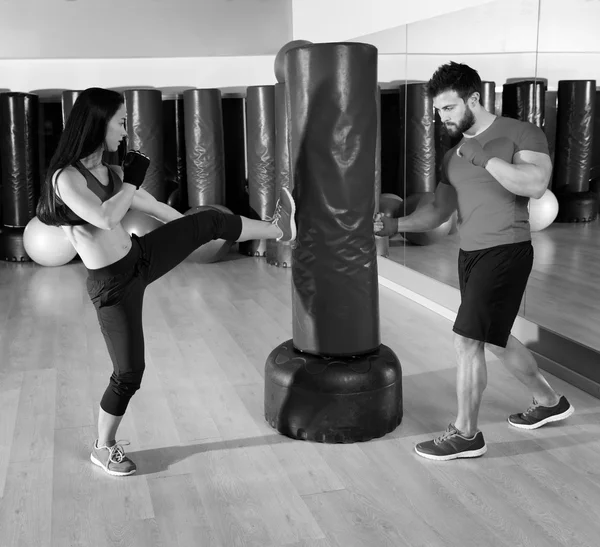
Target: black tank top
102 191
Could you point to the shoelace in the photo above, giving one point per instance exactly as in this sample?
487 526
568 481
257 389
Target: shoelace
450 432
531 408
116 454
277 214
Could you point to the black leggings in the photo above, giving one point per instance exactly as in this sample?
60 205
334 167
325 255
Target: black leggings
117 292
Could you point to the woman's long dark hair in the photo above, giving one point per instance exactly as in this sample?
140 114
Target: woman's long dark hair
84 134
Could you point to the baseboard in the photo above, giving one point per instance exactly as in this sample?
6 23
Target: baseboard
566 359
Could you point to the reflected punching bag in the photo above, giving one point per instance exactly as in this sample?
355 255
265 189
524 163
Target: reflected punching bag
334 381
260 131
145 133
279 253
204 146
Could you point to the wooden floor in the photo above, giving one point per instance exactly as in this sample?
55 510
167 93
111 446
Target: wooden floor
212 472
563 288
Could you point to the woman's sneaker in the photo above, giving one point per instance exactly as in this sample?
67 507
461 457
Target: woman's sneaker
112 459
537 415
452 445
284 216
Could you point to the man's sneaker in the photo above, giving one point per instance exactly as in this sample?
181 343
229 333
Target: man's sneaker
284 216
537 415
452 445
112 459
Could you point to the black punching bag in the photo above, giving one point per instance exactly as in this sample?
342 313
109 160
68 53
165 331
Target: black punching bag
260 131
333 106
524 101
420 140
19 149
574 151
334 381
204 146
145 133
279 253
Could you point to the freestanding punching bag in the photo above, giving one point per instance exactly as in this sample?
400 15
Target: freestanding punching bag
205 162
174 148
20 175
334 381
573 155
420 140
382 244
260 131
488 96
279 253
525 101
145 133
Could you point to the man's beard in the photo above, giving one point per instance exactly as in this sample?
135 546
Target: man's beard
467 121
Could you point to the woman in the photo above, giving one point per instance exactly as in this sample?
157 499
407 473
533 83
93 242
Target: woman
88 199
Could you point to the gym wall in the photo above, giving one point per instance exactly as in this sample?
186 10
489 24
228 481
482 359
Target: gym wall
500 39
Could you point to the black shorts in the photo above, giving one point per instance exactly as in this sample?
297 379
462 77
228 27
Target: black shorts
492 283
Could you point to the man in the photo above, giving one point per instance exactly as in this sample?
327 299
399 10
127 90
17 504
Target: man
489 177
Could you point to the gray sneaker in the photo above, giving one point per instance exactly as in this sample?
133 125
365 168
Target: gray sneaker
284 216
112 459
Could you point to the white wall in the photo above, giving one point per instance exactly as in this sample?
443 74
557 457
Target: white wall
32 29
204 72
340 20
495 37
500 40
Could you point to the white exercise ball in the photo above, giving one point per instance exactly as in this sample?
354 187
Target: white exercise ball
47 245
542 211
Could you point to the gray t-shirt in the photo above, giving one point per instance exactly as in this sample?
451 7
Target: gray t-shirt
488 214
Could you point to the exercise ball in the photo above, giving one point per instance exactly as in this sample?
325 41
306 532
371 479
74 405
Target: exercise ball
542 211
214 250
47 245
391 205
138 223
280 58
416 201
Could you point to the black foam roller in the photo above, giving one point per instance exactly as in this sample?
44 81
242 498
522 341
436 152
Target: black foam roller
174 147
19 149
333 112
525 101
145 133
204 146
234 138
279 253
488 96
260 130
574 135
420 140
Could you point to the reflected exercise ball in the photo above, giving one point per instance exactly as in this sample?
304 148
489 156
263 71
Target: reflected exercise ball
138 223
542 211
214 250
416 201
280 58
47 245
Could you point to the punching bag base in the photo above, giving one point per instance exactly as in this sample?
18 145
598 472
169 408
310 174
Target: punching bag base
254 247
577 207
279 254
332 400
12 248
